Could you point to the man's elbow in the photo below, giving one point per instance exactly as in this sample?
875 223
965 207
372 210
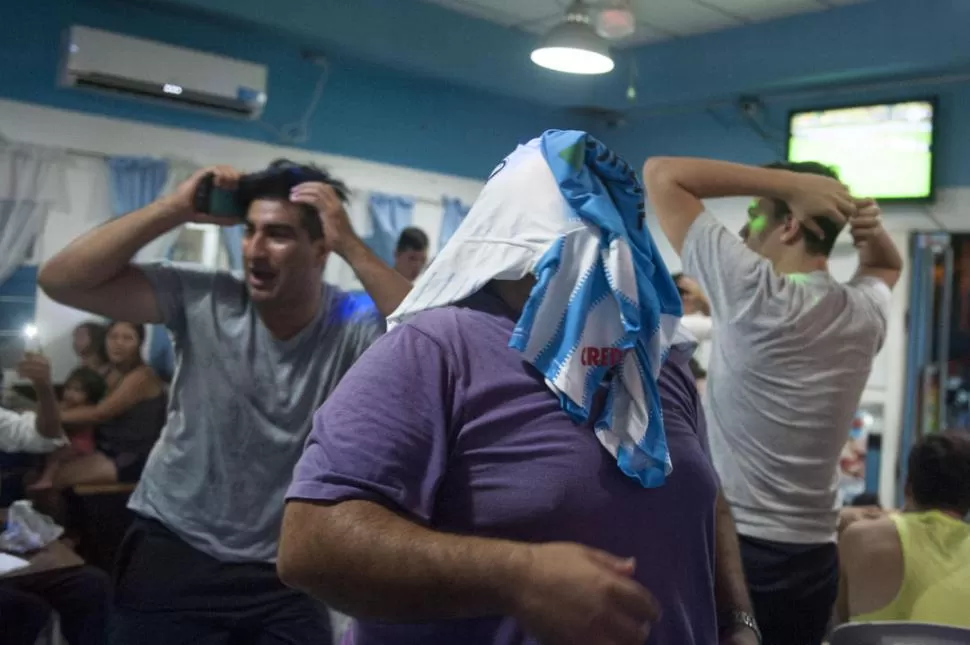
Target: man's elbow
52 279
656 170
299 565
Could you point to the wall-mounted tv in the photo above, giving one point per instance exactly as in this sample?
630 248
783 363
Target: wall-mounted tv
883 151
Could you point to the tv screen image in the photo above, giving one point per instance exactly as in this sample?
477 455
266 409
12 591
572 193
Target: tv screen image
881 151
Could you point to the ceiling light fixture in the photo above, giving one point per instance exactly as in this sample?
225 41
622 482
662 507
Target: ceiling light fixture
573 46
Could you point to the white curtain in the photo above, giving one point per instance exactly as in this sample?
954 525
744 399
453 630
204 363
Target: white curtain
159 248
32 182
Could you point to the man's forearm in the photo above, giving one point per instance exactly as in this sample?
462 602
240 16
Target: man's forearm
48 412
710 179
365 561
880 252
730 589
101 254
385 286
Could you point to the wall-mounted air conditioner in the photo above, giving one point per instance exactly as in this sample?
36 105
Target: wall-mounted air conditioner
104 61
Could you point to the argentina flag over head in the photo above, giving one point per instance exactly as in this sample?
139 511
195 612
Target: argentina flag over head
566 210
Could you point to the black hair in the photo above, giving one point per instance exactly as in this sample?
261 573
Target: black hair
814 245
866 499
412 239
677 277
140 330
91 382
280 178
96 335
939 472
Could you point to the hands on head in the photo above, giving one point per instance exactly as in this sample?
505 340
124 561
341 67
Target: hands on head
321 196
819 196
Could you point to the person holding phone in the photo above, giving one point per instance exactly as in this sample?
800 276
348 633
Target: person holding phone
255 356
79 595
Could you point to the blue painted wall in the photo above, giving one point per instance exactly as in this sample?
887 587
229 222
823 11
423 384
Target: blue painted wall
366 111
373 112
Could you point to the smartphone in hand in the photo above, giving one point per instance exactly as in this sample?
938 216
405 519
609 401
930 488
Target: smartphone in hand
217 202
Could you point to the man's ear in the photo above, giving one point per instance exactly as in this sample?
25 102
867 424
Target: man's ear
791 230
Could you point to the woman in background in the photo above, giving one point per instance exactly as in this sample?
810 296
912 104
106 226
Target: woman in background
89 342
83 387
129 418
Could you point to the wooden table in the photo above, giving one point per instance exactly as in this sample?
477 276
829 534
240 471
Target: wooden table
56 555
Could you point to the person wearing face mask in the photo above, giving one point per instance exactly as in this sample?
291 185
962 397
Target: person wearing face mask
697 320
255 355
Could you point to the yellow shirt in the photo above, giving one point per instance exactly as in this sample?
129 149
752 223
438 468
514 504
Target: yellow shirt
936 572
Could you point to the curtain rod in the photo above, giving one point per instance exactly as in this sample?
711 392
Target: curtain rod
92 154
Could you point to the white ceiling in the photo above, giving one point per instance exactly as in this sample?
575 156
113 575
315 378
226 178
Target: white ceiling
656 19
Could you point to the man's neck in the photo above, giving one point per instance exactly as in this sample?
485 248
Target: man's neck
286 321
790 264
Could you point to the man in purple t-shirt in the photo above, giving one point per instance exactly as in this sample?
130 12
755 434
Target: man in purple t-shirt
444 497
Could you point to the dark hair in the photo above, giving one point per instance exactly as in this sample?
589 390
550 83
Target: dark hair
866 499
91 382
677 277
96 334
281 177
412 239
813 243
139 329
939 472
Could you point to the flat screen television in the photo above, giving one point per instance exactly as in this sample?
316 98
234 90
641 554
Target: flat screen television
883 151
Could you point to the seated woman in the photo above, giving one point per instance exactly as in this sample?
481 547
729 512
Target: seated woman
89 346
914 565
129 418
83 387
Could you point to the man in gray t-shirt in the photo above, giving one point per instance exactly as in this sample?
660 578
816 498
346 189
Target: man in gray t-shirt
255 356
792 351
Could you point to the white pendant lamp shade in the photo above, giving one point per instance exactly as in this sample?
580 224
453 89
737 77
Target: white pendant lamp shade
574 48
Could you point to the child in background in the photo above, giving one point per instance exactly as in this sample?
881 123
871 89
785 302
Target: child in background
84 386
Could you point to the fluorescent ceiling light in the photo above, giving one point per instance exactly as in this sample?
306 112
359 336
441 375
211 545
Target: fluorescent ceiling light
574 48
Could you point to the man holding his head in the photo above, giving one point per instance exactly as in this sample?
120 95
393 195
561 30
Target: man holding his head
792 353
255 356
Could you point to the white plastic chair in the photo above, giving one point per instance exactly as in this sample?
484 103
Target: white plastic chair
899 633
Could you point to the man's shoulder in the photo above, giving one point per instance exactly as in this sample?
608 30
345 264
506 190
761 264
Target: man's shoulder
868 542
352 307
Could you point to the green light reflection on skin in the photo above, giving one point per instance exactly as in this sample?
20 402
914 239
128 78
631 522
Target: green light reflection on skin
756 220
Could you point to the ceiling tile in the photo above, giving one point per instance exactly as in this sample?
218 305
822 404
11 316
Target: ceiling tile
505 12
759 10
681 17
644 35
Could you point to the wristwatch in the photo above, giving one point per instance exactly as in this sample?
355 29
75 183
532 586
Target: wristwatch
737 618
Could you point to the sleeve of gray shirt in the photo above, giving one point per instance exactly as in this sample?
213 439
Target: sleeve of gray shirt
734 278
176 287
874 297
